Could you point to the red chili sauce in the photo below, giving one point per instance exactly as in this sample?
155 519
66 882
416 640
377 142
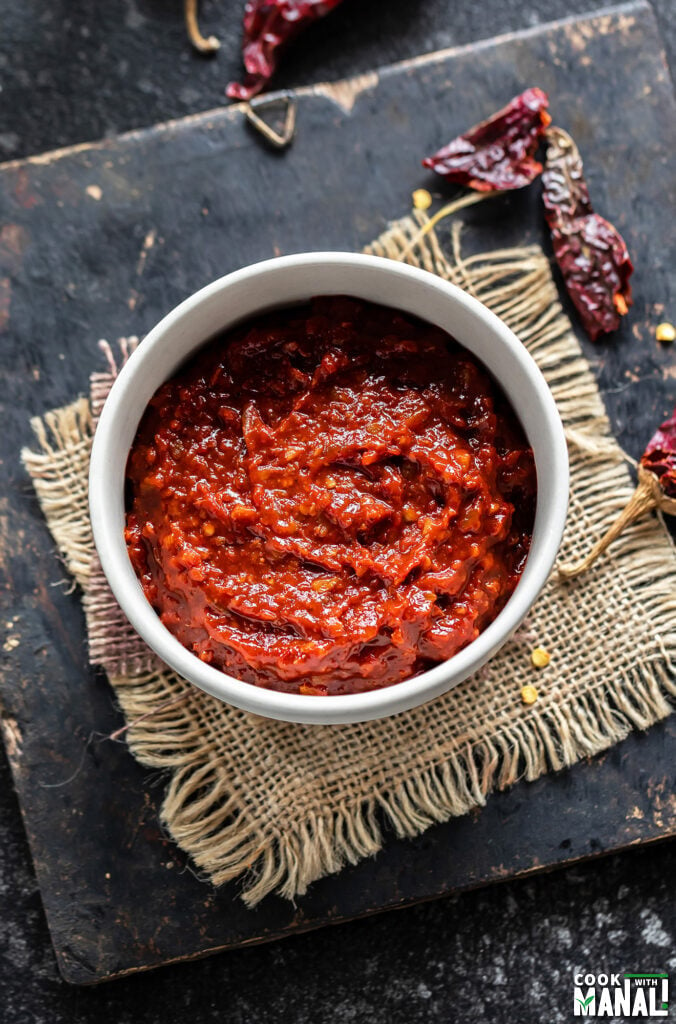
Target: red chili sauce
329 499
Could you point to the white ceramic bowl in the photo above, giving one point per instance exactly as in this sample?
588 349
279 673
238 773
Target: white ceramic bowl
280 282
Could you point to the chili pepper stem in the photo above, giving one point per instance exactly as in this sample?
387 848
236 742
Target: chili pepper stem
647 497
446 211
277 139
201 43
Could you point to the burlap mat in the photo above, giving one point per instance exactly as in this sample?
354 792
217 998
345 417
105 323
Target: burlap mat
281 805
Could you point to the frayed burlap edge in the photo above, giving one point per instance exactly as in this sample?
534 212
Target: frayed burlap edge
167 730
64 437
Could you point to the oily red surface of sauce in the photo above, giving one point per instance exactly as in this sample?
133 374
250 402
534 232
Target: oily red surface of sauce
329 499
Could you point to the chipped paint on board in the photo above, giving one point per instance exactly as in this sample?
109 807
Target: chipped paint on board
345 93
5 302
12 737
13 242
148 243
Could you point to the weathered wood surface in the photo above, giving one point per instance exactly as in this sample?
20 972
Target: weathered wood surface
101 241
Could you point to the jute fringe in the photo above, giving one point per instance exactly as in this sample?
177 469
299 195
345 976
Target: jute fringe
64 437
279 806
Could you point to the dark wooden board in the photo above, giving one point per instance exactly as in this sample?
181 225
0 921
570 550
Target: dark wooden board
119 896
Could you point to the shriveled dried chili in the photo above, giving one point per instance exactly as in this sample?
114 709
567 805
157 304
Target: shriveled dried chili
590 252
656 489
660 455
268 26
498 154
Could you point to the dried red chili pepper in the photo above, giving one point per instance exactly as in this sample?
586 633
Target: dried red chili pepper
590 252
656 489
499 153
268 26
660 455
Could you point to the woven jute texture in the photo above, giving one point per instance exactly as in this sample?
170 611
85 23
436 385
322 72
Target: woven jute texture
280 805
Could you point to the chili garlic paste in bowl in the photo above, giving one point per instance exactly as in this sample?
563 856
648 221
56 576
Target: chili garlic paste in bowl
329 499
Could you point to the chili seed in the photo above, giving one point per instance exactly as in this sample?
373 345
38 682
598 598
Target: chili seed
665 332
540 657
529 694
322 585
422 200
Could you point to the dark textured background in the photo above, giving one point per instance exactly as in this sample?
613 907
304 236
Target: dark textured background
75 70
72 71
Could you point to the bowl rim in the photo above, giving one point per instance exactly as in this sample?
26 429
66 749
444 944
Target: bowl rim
343 708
